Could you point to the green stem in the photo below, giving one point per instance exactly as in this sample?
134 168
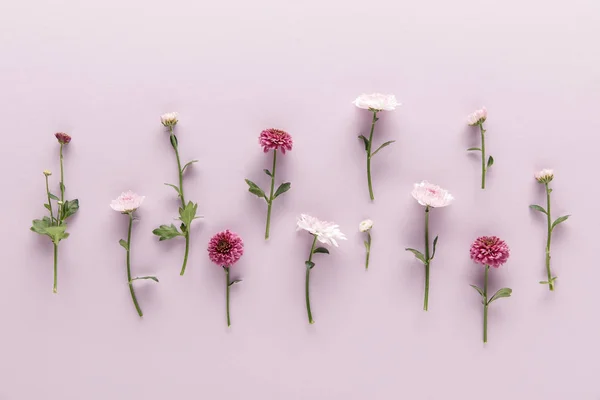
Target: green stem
270 202
485 304
55 287
369 147
368 250
312 248
550 281
62 186
49 202
427 260
187 250
483 167
227 289
179 171
135 302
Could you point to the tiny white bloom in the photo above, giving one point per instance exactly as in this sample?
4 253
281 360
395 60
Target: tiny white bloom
376 102
544 176
478 117
365 226
428 194
169 119
326 232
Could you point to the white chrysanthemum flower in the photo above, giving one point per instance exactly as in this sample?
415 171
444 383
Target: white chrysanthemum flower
365 226
376 102
428 194
169 119
326 232
478 117
127 202
544 176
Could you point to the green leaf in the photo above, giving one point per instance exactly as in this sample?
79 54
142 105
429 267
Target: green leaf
61 187
548 282
174 142
366 245
479 290
473 149
559 220
382 146
57 233
40 225
124 244
366 142
69 207
434 244
309 264
490 161
255 190
284 187
234 282
166 232
504 292
187 165
321 250
53 197
48 207
538 208
176 189
267 172
155 279
188 214
417 254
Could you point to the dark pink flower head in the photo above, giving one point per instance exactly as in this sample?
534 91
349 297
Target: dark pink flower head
63 138
490 250
225 248
275 139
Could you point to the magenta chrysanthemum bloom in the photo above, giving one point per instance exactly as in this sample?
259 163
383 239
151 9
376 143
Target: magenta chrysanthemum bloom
225 248
62 137
490 250
275 139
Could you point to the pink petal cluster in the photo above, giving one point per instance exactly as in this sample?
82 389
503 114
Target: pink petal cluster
326 232
478 117
225 248
428 194
127 202
275 139
544 176
490 250
62 137
376 102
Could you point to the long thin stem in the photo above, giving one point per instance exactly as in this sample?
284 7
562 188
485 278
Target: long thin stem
62 186
427 260
483 167
550 281
49 202
369 147
368 250
270 202
312 248
227 290
182 197
55 287
485 304
187 250
129 281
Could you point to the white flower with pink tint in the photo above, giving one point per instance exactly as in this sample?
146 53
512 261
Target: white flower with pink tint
325 232
169 119
544 176
478 117
127 202
376 102
428 194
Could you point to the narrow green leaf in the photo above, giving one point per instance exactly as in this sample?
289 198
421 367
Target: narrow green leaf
490 161
155 279
366 245
550 281
188 214
365 141
382 146
434 244
61 186
284 187
187 165
69 207
309 264
254 189
234 282
166 232
174 142
417 254
538 208
544 282
321 250
559 220
124 244
176 189
479 290
473 149
504 292
53 197
267 172
48 207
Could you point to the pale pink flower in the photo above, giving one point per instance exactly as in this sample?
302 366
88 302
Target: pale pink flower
326 232
489 250
225 248
169 119
275 139
127 202
376 102
428 194
478 117
544 176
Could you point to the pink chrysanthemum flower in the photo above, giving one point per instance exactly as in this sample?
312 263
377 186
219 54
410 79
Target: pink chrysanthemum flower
63 138
490 250
225 248
275 139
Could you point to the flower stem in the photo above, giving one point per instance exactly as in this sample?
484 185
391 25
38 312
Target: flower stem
369 147
270 202
187 251
49 202
483 167
175 146
312 248
55 287
550 281
368 250
62 187
227 291
485 304
427 260
130 282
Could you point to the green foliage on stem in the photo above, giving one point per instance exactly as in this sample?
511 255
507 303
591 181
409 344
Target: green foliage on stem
284 187
155 279
124 244
68 208
490 161
46 226
538 208
188 214
321 250
309 264
176 189
473 149
256 190
504 292
187 165
418 255
382 146
365 141
559 220
166 232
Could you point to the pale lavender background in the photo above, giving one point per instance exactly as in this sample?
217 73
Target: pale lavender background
104 72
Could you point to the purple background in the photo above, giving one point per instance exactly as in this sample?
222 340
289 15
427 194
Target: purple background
104 72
